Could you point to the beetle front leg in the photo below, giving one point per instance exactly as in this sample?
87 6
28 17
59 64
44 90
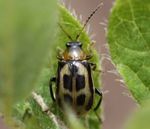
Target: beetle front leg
99 93
94 67
53 79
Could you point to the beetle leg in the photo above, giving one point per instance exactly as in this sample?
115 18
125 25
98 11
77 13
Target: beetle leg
53 79
100 99
94 66
99 118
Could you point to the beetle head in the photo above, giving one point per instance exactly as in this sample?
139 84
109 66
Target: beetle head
73 51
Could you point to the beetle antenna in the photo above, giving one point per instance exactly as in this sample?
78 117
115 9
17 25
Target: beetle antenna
91 15
65 32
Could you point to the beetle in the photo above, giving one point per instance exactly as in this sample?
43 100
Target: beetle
73 81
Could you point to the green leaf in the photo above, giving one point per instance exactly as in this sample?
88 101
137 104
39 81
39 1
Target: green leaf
72 26
129 42
26 35
140 119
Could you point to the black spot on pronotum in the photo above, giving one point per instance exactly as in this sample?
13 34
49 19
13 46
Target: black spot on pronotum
81 100
80 82
73 69
68 99
90 103
67 82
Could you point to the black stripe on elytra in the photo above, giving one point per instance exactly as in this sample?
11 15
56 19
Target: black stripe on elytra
88 67
81 99
68 99
90 103
90 82
67 80
80 82
60 66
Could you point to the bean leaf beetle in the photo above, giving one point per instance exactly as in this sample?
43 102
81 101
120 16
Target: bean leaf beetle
73 81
